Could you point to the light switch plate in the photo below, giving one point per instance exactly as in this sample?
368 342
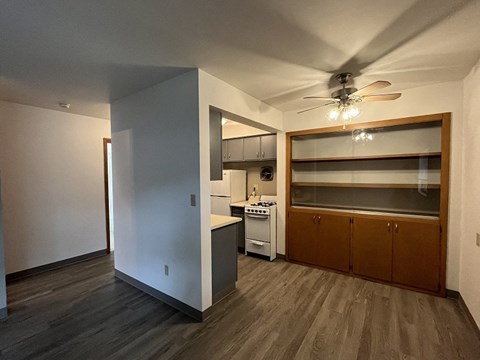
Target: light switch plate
193 201
166 270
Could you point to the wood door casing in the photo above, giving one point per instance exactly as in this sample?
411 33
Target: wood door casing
333 249
372 248
416 255
302 233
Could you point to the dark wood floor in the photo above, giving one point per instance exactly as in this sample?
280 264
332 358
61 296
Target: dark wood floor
280 311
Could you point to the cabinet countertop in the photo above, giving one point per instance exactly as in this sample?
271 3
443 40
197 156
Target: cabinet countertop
246 202
218 221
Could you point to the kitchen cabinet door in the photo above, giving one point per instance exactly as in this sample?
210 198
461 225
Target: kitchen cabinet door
333 249
302 237
235 150
268 147
251 148
372 248
416 254
224 150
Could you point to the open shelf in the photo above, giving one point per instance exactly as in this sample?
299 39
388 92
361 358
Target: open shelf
369 157
365 185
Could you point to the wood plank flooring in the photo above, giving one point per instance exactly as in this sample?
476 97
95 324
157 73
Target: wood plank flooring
280 311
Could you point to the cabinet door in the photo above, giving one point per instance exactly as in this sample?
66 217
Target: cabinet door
235 150
372 248
224 150
302 233
251 148
416 254
268 147
333 250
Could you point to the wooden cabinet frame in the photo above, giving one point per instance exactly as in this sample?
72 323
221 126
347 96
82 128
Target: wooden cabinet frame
445 119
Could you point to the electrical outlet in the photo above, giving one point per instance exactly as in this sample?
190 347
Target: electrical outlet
478 239
166 270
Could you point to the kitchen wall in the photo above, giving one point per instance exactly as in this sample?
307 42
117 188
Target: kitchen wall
253 176
445 97
3 287
240 107
470 253
51 166
234 129
155 153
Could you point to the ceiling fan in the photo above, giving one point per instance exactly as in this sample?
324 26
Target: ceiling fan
346 98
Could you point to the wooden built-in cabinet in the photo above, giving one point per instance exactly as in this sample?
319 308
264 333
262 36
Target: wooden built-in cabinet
416 250
371 200
372 247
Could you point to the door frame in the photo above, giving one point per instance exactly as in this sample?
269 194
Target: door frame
106 141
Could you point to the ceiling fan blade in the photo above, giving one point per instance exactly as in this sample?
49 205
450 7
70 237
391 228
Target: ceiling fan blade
316 107
320 98
382 97
377 85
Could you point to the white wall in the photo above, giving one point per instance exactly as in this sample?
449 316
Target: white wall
51 166
445 97
155 151
238 106
3 287
470 253
234 130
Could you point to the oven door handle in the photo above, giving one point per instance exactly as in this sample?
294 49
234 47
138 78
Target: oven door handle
257 216
258 243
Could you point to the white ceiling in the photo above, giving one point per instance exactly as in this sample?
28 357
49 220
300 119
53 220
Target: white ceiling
90 52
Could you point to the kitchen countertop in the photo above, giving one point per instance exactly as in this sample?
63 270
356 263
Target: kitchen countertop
246 202
218 221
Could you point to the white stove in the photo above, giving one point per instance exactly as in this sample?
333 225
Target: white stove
261 229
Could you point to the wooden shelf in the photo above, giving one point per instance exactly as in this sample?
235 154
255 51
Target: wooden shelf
369 210
369 157
363 185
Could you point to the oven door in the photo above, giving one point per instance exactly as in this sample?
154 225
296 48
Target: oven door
257 227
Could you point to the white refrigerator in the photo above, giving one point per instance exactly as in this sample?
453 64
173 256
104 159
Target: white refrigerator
232 188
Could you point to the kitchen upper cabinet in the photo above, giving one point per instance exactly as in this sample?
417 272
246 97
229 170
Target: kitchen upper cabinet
319 239
233 150
268 147
416 254
372 248
251 148
260 148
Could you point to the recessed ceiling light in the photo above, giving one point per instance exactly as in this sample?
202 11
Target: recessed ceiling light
64 105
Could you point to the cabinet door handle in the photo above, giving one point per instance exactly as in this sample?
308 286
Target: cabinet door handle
263 154
257 154
314 219
229 155
389 225
396 228
319 218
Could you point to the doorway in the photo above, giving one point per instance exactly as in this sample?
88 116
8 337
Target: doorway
107 166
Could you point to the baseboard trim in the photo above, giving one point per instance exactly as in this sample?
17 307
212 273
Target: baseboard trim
3 313
167 299
19 275
280 256
455 295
